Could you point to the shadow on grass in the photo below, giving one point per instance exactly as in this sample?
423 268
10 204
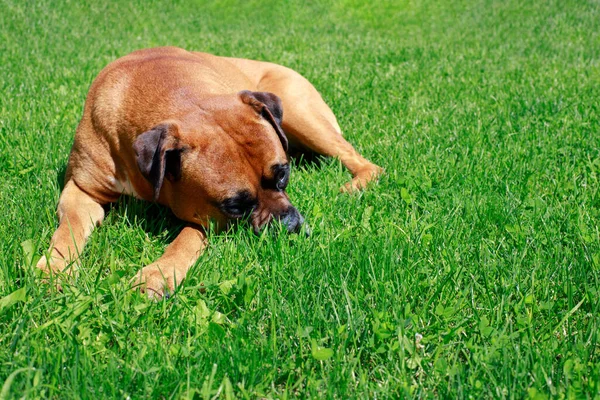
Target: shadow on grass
153 218
305 158
60 177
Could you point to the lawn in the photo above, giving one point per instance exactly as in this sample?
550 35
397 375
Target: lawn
471 270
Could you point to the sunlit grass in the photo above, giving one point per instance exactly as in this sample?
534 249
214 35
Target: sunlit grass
470 270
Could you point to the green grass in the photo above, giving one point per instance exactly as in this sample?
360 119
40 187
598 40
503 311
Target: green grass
471 270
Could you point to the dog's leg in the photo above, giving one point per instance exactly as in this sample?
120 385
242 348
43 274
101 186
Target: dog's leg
78 214
168 271
310 123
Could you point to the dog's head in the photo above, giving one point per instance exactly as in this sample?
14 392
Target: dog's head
225 162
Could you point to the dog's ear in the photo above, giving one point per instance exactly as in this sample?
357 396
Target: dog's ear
158 154
269 107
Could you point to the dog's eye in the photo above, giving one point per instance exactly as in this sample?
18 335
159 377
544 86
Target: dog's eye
282 179
239 205
279 179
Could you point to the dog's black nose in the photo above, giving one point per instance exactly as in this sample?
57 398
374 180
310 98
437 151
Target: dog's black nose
292 220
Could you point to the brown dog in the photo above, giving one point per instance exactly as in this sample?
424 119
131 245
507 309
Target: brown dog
201 134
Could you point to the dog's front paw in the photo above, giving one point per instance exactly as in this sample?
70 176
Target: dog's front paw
52 265
55 270
156 281
362 178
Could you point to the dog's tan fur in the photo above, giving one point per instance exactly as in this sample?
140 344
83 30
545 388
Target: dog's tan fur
226 140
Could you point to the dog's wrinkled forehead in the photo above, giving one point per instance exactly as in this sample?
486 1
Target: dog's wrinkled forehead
230 162
254 138
260 147
253 119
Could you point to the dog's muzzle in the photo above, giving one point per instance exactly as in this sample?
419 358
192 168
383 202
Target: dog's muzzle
291 219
